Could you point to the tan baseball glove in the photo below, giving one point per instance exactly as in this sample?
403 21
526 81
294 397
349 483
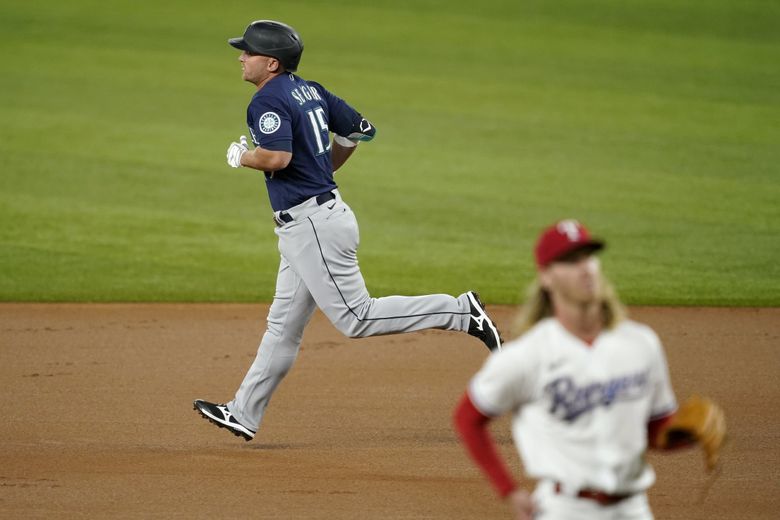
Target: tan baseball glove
698 420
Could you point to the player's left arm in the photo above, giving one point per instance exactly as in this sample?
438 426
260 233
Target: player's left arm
271 127
654 428
266 160
239 154
663 404
698 420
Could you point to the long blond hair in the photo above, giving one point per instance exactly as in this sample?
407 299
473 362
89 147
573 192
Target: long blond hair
538 305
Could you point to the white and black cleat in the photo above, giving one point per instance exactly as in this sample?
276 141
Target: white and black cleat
219 415
481 326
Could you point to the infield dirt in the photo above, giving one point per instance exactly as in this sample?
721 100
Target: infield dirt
98 421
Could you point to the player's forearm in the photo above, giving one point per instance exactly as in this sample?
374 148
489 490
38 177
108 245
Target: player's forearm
340 153
266 160
654 430
472 426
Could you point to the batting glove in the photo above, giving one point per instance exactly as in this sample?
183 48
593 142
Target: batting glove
236 151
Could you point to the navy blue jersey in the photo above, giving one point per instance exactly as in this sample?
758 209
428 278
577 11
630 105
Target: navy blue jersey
294 115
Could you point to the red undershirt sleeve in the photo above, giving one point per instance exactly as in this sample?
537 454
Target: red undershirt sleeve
472 426
654 427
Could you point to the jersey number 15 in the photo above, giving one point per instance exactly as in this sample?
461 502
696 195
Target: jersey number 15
320 127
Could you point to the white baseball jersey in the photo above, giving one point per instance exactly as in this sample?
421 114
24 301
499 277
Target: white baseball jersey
580 412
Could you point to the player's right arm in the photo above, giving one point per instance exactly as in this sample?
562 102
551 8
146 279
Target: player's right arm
344 146
348 126
341 149
472 426
503 384
522 504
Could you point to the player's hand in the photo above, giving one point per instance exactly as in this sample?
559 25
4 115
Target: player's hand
522 505
701 420
236 151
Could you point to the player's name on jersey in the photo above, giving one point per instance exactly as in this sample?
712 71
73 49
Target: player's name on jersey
305 93
569 401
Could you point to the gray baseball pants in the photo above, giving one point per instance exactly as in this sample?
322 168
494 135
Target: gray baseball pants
319 268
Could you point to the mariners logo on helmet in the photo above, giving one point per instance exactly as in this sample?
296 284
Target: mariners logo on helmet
269 122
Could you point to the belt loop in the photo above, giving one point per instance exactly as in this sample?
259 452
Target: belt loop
282 217
563 489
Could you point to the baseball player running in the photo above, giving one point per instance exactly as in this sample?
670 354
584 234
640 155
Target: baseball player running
588 391
290 120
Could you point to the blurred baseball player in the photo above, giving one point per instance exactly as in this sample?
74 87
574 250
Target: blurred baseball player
290 120
588 391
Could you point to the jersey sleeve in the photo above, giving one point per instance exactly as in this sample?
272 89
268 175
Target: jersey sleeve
505 382
270 124
343 119
663 402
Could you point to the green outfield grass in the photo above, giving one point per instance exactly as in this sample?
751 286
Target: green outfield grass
654 122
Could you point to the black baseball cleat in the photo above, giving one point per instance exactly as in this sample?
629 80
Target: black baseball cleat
481 326
219 415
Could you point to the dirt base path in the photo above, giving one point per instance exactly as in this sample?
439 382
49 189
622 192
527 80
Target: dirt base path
97 417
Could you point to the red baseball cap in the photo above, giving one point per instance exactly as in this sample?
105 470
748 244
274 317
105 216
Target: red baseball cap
563 238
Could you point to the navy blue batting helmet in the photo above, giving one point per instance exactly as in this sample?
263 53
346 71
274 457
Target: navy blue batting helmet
274 39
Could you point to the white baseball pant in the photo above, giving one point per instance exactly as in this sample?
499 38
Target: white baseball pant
319 268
